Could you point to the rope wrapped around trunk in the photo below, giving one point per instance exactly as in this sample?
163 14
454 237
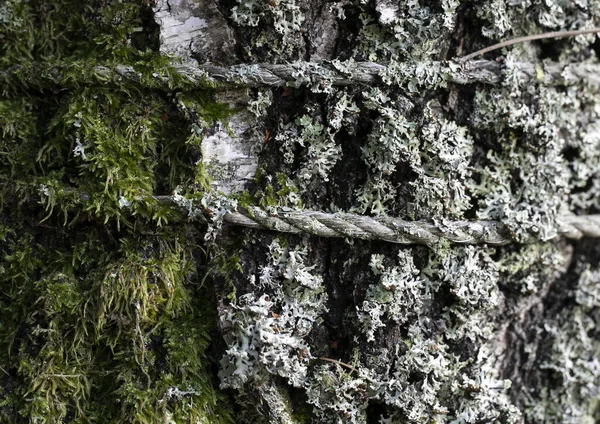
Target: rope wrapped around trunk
396 230
304 73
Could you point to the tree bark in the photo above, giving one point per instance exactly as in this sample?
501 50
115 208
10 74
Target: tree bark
443 333
119 306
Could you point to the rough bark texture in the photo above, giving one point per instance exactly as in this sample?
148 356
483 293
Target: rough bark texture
116 307
444 333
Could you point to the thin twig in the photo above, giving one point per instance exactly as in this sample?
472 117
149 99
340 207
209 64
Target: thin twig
546 35
335 361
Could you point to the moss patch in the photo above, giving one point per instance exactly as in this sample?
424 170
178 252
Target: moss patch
103 317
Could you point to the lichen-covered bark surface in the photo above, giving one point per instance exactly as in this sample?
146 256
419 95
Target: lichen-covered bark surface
441 333
115 307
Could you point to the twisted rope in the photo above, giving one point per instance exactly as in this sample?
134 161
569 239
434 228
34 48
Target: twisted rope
396 230
385 228
308 73
304 73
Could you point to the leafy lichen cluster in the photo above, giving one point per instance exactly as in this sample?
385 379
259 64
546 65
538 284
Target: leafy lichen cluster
267 332
444 334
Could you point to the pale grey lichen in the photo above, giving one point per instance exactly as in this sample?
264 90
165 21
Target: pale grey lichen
588 289
426 378
316 78
392 140
377 196
482 396
575 362
7 14
472 277
220 205
528 204
531 267
431 330
258 106
322 150
409 29
436 368
438 153
124 203
585 177
343 111
398 296
418 76
284 17
495 12
268 331
79 150
440 187
339 396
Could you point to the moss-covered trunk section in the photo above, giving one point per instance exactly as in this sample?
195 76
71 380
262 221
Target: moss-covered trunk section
117 306
104 316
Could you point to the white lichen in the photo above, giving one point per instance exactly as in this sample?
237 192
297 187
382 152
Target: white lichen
268 331
397 297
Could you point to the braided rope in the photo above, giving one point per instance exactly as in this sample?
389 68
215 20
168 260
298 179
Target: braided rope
475 71
385 228
578 226
313 73
336 72
304 73
396 230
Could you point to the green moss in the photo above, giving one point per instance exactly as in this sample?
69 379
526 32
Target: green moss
103 314
101 320
280 192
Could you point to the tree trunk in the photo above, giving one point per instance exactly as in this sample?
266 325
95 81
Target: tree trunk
360 107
